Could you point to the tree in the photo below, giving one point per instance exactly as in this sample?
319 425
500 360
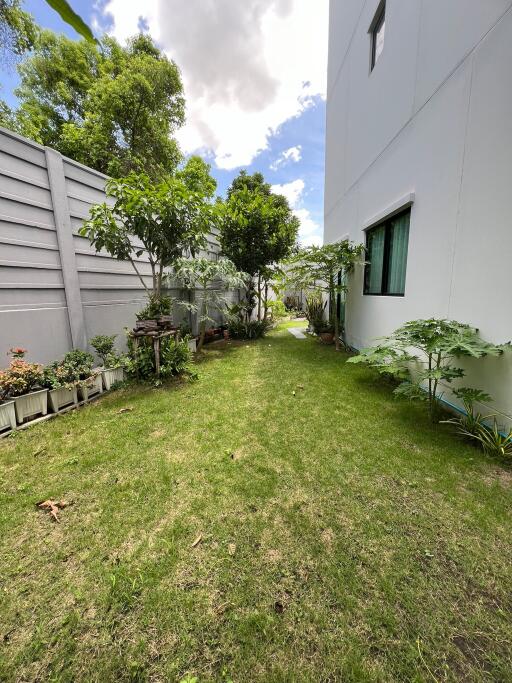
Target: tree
438 342
114 109
258 228
18 32
168 218
325 269
212 278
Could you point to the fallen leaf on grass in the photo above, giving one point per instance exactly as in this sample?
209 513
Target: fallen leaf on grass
39 451
124 410
232 548
53 507
197 541
300 386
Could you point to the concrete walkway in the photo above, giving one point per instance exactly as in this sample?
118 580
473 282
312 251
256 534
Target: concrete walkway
298 332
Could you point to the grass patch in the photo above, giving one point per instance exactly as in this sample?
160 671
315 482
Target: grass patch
343 537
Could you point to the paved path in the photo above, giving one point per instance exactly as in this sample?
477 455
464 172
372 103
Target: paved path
298 332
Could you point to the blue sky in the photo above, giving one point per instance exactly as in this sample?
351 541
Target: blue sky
254 76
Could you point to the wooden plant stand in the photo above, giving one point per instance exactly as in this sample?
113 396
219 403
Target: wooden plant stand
156 337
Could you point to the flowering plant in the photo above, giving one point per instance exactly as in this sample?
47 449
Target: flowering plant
20 377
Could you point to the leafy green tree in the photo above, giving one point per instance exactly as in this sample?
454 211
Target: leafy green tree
196 175
168 218
18 32
323 269
114 109
212 279
422 354
258 228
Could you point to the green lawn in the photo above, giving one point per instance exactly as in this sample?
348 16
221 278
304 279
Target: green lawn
343 537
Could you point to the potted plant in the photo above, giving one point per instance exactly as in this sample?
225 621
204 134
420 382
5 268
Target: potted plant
61 382
326 333
22 382
80 366
113 370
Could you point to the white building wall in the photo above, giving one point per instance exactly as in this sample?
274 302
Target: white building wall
434 118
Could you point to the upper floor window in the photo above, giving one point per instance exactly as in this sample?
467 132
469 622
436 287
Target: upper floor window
386 253
377 29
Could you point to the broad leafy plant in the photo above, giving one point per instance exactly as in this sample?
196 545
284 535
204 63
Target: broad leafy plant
324 269
422 353
164 220
175 359
212 279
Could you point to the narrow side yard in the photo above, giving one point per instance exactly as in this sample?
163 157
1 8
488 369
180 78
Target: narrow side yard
231 530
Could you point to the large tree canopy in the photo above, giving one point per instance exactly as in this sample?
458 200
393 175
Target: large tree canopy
114 109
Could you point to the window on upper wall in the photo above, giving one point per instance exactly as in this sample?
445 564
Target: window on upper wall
377 29
386 254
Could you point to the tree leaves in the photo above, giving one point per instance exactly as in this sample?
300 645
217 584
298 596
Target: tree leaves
68 15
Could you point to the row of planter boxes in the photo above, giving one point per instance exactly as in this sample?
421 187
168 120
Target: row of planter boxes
21 409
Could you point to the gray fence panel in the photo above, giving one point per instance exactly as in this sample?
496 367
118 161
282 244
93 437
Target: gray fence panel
55 291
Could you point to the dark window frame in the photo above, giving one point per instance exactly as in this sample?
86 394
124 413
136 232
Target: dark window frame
378 20
387 224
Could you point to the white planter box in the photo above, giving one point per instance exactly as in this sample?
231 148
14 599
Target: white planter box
94 388
31 405
7 416
110 376
62 398
192 345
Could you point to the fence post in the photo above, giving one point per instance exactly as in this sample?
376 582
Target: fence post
60 204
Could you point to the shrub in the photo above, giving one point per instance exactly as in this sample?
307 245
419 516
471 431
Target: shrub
155 307
252 329
78 365
438 342
103 344
277 309
175 359
20 377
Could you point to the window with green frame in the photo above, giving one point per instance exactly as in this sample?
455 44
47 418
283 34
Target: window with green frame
386 254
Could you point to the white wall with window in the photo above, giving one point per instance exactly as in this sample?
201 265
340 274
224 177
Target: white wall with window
419 168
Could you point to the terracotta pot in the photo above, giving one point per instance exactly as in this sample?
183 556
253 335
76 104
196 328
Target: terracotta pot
327 337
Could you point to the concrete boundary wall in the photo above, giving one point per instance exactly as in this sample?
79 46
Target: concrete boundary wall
56 292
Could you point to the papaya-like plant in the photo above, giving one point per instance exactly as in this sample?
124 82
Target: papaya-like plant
421 353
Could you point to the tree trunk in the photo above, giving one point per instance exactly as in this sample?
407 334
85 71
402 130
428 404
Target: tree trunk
265 305
333 312
259 298
202 324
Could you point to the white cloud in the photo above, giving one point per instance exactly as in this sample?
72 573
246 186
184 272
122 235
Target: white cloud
292 154
292 191
247 66
309 231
